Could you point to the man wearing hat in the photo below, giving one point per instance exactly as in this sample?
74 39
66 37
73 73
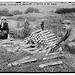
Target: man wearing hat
4 29
68 40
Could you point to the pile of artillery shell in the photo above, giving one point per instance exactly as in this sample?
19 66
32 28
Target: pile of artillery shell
44 37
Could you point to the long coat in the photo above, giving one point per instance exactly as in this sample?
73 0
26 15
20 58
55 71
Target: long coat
4 28
42 25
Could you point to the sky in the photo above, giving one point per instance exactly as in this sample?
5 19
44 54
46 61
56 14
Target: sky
44 7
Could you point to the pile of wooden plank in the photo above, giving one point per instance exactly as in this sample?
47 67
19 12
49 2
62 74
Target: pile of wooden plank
45 39
38 41
38 45
48 60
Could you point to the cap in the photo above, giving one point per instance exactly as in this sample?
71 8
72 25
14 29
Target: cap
66 21
3 17
42 19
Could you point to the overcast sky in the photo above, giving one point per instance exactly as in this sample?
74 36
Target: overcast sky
41 7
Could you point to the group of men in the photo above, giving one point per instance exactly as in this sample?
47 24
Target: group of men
68 40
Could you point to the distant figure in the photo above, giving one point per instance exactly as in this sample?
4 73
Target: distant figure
42 24
26 23
27 29
68 40
4 29
19 24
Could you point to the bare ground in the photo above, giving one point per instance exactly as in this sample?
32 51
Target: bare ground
6 57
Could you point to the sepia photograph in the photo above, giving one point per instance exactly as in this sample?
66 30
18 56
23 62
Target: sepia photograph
37 37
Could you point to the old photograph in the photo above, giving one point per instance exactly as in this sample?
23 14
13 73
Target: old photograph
37 37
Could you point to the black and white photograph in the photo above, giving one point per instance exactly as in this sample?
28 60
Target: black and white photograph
37 37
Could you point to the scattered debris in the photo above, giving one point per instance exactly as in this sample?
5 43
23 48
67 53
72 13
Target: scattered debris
38 45
50 63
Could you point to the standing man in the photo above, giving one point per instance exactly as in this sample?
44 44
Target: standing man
27 29
68 40
42 24
26 23
4 29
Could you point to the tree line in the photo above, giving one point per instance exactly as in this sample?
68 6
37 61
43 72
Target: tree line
65 10
6 12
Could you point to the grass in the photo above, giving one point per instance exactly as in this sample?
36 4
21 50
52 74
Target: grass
7 57
51 22
28 67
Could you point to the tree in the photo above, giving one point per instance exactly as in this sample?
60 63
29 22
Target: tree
6 11
65 10
16 12
31 10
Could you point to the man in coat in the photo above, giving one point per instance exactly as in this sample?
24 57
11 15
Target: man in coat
42 24
68 40
4 29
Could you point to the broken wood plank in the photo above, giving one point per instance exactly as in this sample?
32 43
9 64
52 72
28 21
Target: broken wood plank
54 54
36 51
34 57
37 31
21 62
26 59
47 33
28 45
53 40
48 50
41 55
44 31
13 49
30 59
50 63
52 45
29 49
18 61
50 35
52 57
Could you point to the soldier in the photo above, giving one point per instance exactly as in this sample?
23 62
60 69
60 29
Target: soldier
27 29
42 24
68 40
4 29
26 23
